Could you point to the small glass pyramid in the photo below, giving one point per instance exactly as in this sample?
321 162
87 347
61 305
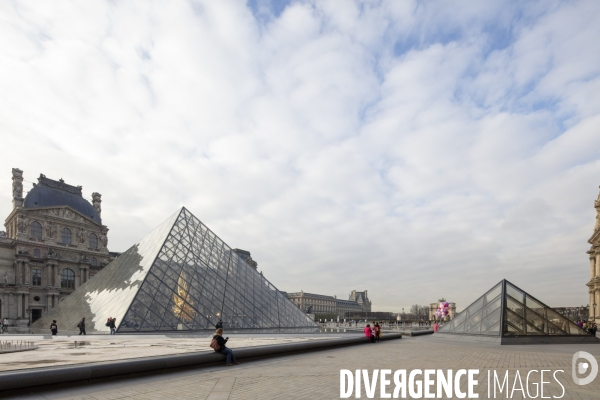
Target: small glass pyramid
507 311
180 277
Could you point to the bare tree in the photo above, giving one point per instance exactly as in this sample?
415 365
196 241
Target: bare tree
414 309
419 312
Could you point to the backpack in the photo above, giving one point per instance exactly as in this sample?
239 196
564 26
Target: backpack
215 345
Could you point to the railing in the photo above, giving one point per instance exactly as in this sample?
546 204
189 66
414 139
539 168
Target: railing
14 345
402 326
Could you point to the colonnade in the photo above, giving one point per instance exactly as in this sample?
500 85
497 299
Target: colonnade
595 291
20 302
595 299
594 266
14 304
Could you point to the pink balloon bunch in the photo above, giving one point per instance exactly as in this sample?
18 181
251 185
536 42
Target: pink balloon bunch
443 309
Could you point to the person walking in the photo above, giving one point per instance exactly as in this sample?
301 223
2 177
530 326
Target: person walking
4 325
219 324
377 332
54 328
222 348
436 326
81 326
113 326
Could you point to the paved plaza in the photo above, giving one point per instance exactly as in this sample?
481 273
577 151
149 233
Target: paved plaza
316 375
63 350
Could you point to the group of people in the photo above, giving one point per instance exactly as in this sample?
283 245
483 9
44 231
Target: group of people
373 334
112 324
590 326
219 345
3 325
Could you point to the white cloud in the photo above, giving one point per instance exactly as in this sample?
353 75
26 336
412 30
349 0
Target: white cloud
416 150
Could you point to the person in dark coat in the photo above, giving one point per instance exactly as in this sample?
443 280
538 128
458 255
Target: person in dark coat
113 326
81 326
219 324
218 336
54 328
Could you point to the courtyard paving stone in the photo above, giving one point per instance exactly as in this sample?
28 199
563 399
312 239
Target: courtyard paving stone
61 350
316 375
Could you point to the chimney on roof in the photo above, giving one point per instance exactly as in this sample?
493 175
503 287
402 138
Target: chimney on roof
96 202
17 187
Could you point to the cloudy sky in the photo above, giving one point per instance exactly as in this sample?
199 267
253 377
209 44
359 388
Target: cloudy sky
413 149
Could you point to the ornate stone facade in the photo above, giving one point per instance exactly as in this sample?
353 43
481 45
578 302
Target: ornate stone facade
245 254
594 257
54 242
358 302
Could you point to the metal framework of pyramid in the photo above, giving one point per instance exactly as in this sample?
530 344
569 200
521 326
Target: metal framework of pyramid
180 277
512 314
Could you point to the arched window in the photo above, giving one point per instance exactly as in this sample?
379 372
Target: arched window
93 241
36 253
65 235
67 278
36 230
94 262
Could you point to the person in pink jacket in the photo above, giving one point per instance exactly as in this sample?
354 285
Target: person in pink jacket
436 326
369 333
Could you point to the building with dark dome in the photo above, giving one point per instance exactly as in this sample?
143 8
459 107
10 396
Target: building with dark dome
54 242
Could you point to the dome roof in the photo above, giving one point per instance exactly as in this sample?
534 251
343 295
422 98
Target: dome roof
49 193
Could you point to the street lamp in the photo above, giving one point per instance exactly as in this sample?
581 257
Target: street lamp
28 316
595 311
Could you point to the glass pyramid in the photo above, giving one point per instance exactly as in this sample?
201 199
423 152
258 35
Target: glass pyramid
507 311
180 277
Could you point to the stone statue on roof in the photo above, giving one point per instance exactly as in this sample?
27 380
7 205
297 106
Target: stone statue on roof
597 207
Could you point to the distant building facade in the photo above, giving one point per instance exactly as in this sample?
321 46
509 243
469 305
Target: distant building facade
358 302
245 254
593 284
434 306
53 243
581 313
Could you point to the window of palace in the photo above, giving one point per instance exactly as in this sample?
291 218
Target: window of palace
36 276
94 262
36 253
65 236
93 239
36 230
67 279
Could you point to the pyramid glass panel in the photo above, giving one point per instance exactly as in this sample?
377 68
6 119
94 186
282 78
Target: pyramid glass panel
507 311
480 318
179 277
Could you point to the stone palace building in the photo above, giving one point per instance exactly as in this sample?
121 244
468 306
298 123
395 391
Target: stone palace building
54 242
358 302
594 256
